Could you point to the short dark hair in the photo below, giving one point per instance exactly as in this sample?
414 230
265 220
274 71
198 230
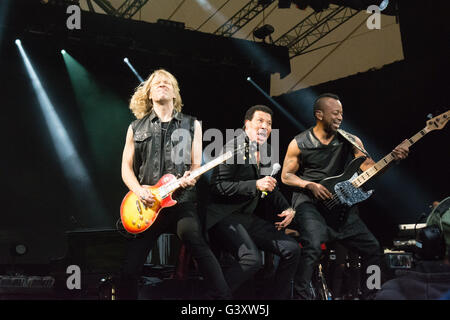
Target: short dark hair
259 107
318 105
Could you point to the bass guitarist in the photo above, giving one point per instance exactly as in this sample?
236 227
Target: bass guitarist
317 153
150 152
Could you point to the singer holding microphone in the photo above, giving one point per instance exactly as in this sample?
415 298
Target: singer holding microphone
237 187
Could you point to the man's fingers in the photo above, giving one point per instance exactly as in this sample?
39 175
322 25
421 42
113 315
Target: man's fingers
325 192
269 186
148 202
187 182
272 181
325 195
186 173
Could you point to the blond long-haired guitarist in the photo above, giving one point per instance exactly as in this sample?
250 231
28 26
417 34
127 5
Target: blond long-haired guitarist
149 154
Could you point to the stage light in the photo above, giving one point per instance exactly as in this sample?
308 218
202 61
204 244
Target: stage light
264 31
18 42
127 61
383 5
63 51
103 113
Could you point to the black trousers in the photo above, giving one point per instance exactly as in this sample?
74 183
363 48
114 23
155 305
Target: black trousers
243 235
341 276
314 231
181 219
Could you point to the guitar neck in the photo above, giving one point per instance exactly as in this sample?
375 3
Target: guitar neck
199 171
171 187
383 163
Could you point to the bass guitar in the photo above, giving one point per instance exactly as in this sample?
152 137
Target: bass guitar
346 188
137 218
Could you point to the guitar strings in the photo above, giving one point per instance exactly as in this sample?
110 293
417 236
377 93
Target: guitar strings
330 203
334 202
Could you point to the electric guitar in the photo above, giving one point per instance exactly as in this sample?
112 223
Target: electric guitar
137 218
346 188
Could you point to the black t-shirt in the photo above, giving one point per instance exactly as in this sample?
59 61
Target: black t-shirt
164 126
319 161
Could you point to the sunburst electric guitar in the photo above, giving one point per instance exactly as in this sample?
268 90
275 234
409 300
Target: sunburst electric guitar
137 218
346 188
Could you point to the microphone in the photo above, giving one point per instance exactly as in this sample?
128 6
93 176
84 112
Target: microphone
276 167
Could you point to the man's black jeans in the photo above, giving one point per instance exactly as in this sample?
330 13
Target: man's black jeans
314 231
181 219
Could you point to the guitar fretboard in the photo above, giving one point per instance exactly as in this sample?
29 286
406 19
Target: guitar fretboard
171 187
383 163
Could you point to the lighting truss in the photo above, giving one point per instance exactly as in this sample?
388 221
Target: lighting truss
130 7
127 10
241 18
313 28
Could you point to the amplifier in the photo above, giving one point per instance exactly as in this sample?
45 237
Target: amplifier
399 259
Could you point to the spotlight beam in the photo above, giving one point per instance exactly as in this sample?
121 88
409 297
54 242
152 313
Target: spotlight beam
4 8
127 61
73 167
284 111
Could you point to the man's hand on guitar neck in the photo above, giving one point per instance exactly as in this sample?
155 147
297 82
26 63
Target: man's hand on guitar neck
401 151
186 181
319 191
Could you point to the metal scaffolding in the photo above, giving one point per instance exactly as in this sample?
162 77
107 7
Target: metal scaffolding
241 18
127 10
313 28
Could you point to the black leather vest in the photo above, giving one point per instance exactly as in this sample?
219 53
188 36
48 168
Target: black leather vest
176 151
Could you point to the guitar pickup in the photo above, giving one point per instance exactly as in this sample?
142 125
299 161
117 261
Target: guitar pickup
138 207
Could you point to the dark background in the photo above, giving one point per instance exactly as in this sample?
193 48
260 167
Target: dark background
382 107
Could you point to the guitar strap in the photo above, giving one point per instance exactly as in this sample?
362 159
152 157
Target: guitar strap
350 138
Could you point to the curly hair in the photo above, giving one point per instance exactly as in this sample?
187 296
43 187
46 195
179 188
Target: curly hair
141 104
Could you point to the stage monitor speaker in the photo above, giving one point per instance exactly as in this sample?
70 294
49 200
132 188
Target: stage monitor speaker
96 250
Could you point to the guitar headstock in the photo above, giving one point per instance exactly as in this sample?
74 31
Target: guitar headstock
438 122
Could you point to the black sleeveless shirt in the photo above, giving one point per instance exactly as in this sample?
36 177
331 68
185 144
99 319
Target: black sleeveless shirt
319 161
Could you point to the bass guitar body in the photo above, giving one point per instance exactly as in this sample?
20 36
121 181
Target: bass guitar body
345 194
135 216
